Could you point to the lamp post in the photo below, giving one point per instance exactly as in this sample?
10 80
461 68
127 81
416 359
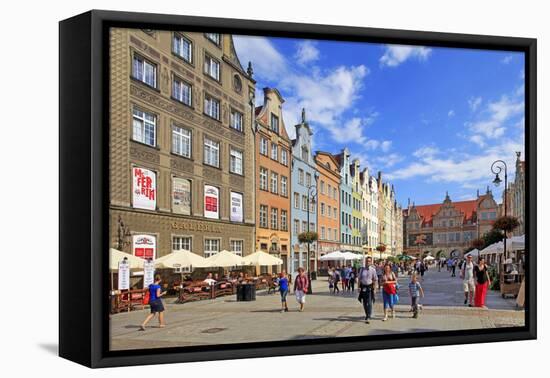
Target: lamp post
497 167
311 200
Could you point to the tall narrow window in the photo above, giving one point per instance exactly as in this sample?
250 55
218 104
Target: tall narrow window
181 91
183 47
263 179
274 219
236 120
274 182
263 146
181 141
212 107
144 71
274 123
274 151
284 186
212 67
263 216
284 157
211 152
284 216
144 127
236 162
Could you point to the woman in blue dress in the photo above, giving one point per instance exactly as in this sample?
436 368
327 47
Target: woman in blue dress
389 291
155 303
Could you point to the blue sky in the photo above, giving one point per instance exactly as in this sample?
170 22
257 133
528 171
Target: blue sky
431 119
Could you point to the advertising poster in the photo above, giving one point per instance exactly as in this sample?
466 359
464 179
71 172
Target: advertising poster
181 196
123 276
148 273
211 202
236 207
145 246
144 189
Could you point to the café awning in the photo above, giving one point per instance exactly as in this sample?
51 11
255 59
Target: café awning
179 258
260 258
224 259
116 256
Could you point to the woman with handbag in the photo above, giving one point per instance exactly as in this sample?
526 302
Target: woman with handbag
155 303
483 282
389 291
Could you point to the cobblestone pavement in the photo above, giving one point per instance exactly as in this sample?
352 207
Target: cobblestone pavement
224 320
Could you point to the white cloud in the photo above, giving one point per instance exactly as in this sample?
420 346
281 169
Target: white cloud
493 125
306 52
427 151
469 169
507 59
451 113
326 94
394 55
260 51
474 103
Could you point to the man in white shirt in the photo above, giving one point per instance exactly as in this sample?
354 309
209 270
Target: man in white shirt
367 284
468 281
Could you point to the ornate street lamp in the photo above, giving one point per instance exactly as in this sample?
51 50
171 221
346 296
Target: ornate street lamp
311 201
497 167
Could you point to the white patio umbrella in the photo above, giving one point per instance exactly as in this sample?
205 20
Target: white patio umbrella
262 259
336 255
429 258
181 258
352 256
473 253
116 256
224 259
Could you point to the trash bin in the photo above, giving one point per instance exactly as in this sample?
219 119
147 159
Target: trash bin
246 292
313 275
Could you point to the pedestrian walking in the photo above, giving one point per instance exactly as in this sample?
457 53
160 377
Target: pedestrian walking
389 292
155 303
330 280
379 273
468 281
352 278
367 280
483 281
453 267
301 285
415 291
283 290
336 278
422 269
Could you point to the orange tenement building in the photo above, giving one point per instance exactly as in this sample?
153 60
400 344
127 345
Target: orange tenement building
273 160
328 203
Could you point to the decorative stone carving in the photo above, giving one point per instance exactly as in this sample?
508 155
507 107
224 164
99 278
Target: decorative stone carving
144 155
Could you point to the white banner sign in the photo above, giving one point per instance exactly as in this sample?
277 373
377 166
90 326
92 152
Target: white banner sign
123 276
211 202
145 246
148 273
236 207
144 189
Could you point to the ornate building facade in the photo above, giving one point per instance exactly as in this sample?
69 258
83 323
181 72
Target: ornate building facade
448 228
356 206
346 202
516 196
328 203
386 217
304 178
181 144
369 210
273 159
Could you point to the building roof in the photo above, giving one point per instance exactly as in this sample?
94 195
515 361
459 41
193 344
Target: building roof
468 208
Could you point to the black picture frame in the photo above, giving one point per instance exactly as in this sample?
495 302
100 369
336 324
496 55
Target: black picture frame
83 181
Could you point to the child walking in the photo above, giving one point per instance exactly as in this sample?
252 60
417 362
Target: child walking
415 290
